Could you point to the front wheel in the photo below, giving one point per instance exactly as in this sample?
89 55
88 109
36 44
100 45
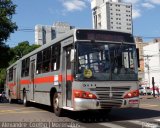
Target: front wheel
57 110
105 111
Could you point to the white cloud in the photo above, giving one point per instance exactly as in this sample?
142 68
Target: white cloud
155 1
72 5
136 13
148 5
131 1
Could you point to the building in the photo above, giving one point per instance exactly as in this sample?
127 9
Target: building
112 15
45 33
152 63
139 45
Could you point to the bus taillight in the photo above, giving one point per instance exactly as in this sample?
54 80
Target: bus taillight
83 94
132 94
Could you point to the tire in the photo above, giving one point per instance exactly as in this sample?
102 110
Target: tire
105 111
57 110
9 98
25 102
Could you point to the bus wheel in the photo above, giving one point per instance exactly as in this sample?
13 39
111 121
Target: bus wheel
105 111
9 98
25 102
57 110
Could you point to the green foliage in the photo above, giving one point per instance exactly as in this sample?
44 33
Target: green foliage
2 77
5 55
7 9
9 55
22 49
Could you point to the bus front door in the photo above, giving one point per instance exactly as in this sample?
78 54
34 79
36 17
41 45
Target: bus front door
67 76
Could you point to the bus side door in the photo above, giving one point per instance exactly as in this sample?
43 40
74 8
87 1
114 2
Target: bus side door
67 76
32 75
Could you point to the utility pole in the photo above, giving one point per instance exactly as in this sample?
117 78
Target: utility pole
148 68
153 86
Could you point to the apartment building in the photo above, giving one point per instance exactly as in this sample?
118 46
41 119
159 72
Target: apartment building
112 15
45 33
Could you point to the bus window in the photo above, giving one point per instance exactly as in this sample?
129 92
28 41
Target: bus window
39 63
25 67
11 74
55 60
46 59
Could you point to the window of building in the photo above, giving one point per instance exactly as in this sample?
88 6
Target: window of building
25 67
44 35
127 6
53 34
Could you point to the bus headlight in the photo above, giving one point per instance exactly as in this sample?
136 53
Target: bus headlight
83 94
131 94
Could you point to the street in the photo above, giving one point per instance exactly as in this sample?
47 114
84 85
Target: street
40 116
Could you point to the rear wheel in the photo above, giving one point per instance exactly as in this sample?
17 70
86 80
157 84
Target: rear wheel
57 110
25 102
10 98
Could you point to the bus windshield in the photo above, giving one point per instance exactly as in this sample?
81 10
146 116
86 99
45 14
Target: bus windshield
106 61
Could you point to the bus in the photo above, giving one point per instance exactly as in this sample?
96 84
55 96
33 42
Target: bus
84 69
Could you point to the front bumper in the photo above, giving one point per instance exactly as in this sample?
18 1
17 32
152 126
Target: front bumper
91 104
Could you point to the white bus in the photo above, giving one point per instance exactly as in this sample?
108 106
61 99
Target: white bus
84 69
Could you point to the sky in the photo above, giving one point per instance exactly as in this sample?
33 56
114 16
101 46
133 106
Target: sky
146 17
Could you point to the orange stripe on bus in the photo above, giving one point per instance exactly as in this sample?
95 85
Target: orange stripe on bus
11 84
59 78
41 80
25 82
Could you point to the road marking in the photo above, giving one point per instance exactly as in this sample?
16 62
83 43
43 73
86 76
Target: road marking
148 124
13 112
1 111
148 105
110 125
135 122
19 111
157 120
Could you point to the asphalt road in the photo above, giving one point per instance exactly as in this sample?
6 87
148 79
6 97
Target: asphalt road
40 116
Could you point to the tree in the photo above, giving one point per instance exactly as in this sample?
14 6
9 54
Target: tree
7 9
22 49
5 56
10 55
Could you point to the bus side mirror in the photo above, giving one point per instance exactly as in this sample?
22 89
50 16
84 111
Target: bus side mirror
72 55
137 51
